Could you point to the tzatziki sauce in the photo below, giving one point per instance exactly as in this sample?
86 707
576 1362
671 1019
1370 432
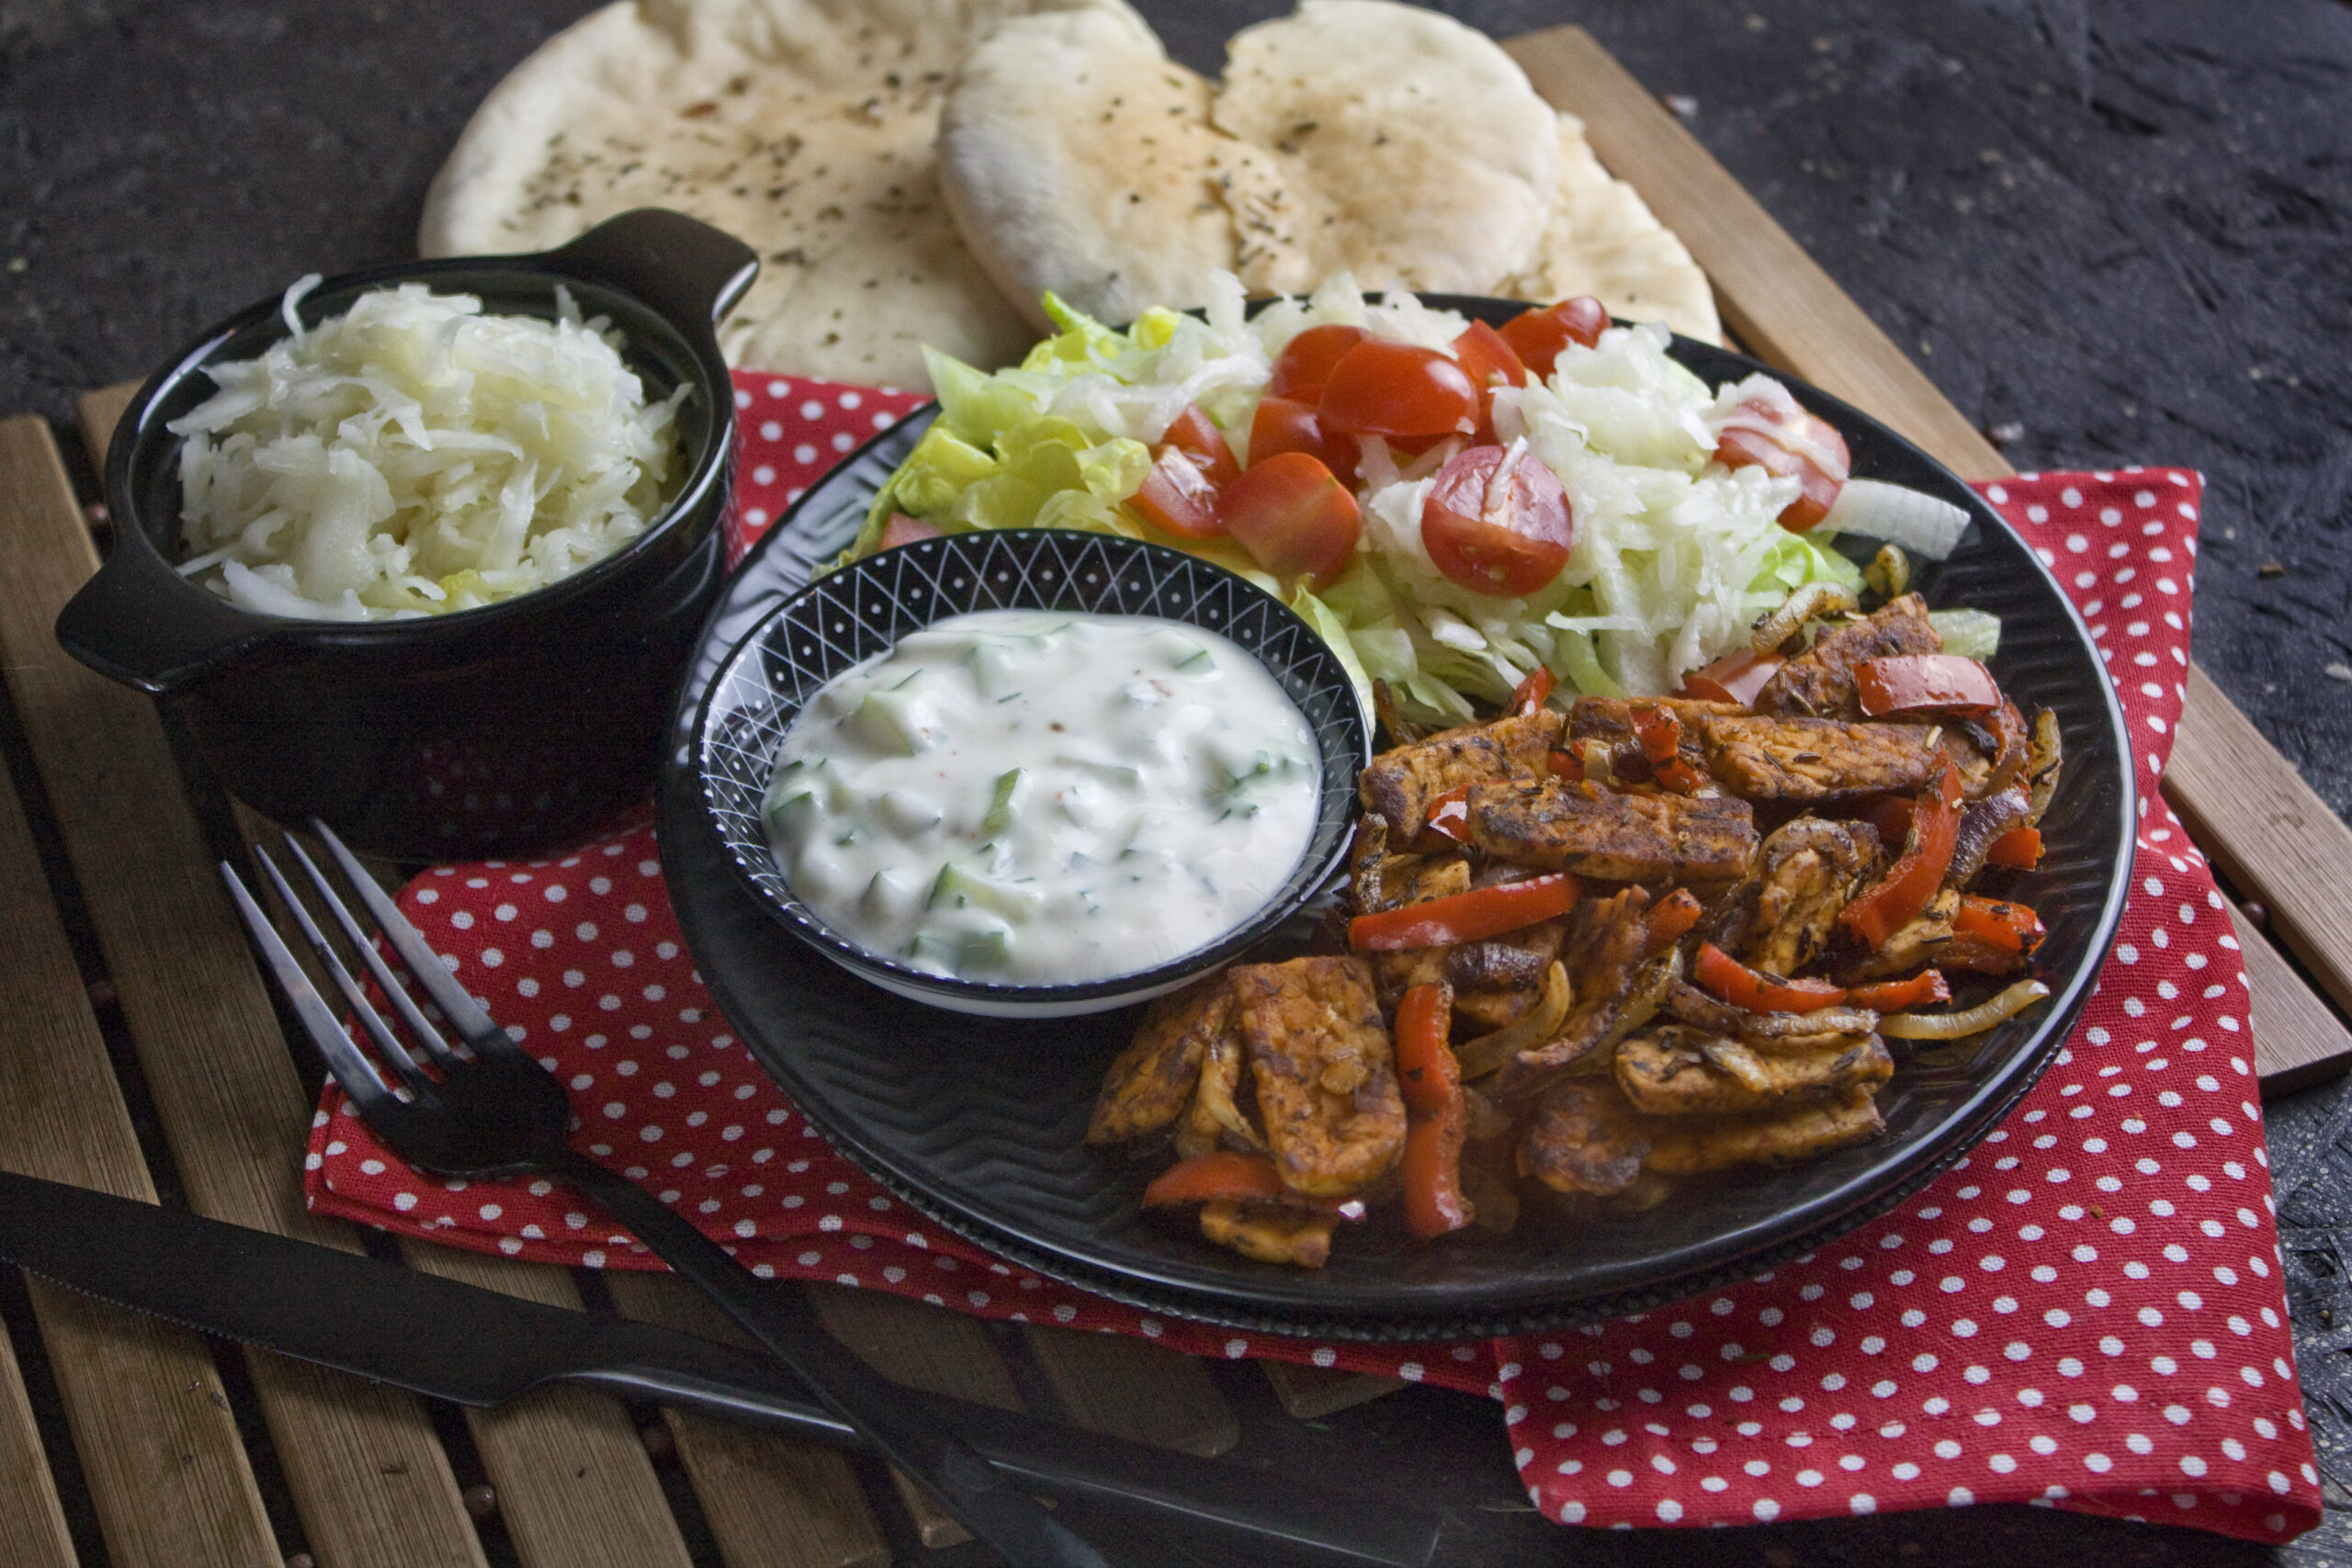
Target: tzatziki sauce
1036 798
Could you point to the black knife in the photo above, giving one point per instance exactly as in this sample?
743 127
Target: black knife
459 1342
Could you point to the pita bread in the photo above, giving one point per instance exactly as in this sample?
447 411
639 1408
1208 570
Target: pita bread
805 127
1356 133
1604 241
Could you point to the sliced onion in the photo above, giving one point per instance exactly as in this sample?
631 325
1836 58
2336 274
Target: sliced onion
1899 515
1975 1020
2042 766
1813 599
1536 1026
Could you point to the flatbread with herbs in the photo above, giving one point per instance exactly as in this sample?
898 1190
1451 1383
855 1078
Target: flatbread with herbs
804 127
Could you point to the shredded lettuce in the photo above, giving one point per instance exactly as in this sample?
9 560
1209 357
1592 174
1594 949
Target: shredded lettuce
1675 557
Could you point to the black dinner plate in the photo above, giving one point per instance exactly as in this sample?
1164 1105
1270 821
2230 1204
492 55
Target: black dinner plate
978 1123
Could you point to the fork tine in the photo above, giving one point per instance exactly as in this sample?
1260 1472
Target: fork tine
351 1069
457 1003
420 1027
370 1020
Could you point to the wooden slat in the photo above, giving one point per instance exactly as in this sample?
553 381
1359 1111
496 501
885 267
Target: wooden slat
2299 1042
149 1419
772 1502
574 1486
31 1519
2249 800
368 1474
1308 1393
922 1347
1134 1388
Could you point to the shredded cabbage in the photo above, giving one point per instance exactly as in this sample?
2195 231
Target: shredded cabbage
414 457
1675 555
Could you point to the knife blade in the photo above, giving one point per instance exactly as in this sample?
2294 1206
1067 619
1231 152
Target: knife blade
459 1342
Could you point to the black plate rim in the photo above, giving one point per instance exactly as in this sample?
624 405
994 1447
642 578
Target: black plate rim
1253 1302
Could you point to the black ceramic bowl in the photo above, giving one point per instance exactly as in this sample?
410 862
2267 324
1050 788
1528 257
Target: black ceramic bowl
980 1123
848 617
494 730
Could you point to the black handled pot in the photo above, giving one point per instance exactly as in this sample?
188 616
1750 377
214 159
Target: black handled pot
503 729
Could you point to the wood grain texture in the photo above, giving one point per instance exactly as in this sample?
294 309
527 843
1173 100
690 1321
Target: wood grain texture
31 1519
922 1347
1134 1388
2298 1041
2243 802
574 1486
1308 1393
772 1502
143 1404
368 1474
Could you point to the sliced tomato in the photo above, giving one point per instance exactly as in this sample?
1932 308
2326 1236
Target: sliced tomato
1757 992
1292 517
1733 678
1925 682
1799 446
1176 496
1283 424
1496 530
1384 387
1539 336
1491 363
1195 434
1304 364
904 530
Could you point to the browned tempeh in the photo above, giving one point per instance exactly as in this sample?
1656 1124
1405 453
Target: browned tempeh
1401 785
1810 760
1586 1138
1821 680
1154 1078
1320 1061
1621 838
1271 1232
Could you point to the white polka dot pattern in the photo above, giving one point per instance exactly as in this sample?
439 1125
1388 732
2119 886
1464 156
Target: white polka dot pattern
2085 1311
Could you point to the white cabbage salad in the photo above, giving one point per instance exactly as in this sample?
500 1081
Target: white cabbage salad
1674 559
416 456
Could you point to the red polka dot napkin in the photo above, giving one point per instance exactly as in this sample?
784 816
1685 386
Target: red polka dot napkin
2085 1311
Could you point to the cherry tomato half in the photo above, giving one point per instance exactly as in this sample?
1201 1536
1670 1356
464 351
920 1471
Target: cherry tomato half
1282 424
1292 517
1305 363
1383 388
1539 336
1805 448
1736 677
1178 497
1489 361
1505 533
1191 433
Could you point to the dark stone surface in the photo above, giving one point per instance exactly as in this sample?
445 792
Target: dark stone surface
2125 229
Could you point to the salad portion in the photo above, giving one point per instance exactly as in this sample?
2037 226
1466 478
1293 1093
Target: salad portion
1453 505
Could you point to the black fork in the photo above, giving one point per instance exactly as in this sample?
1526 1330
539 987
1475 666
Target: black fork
489 1111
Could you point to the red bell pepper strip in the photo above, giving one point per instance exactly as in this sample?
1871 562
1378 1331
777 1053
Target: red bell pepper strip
1449 815
1567 766
2020 849
1466 916
1925 683
1660 730
1733 678
2010 927
1528 699
1437 1120
1893 996
1890 903
1891 815
1736 983
1668 919
1977 954
1207 1177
